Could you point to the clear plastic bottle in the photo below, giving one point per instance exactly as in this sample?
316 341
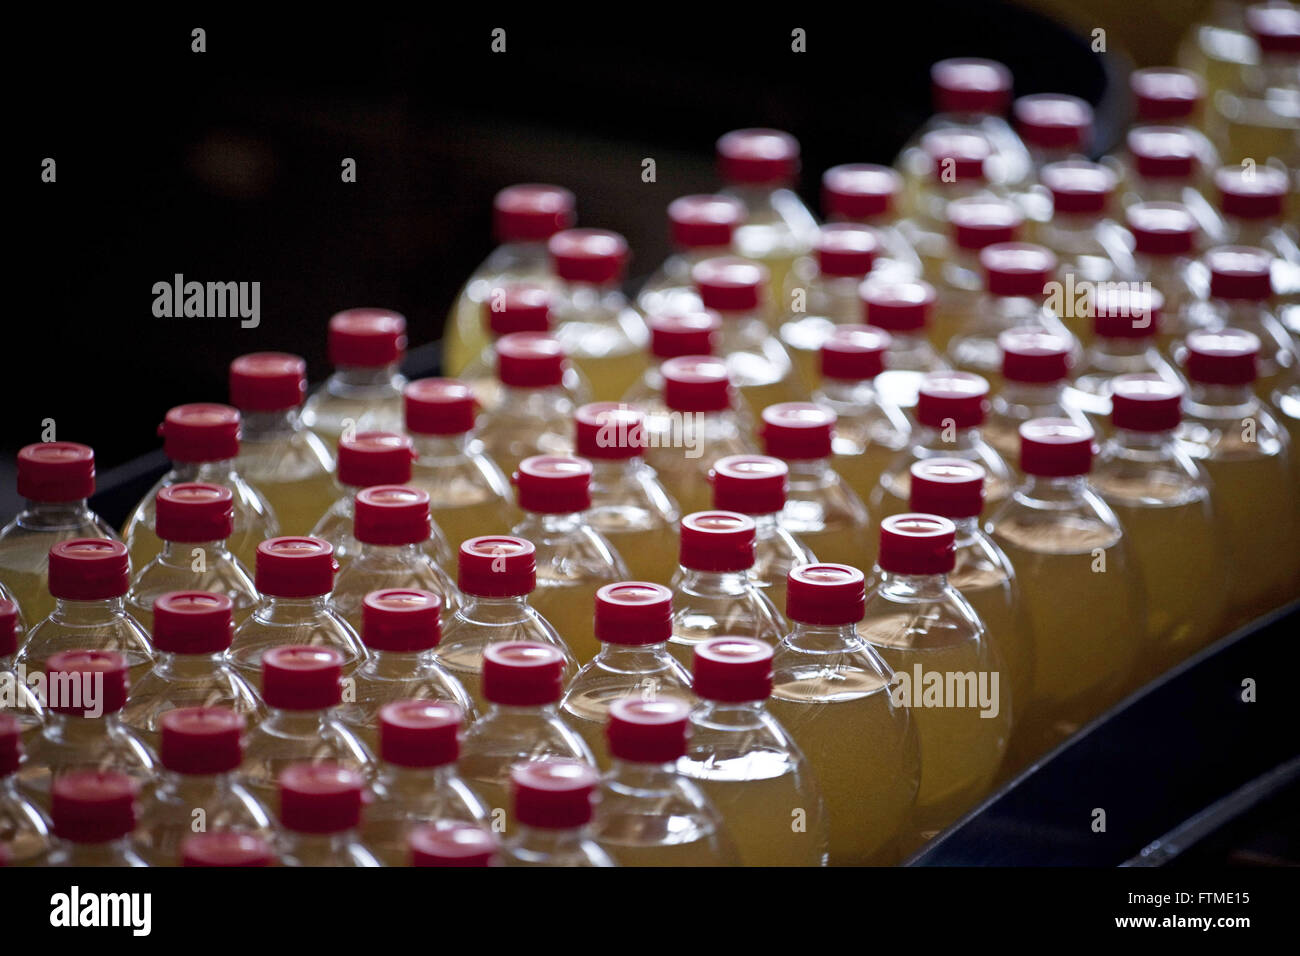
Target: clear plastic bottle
713 594
872 195
747 763
905 310
55 478
1163 500
20 701
294 576
1055 128
1035 371
536 412
417 783
24 829
1165 239
191 635
202 442
553 804
702 227
634 620
574 560
320 817
496 573
302 688
672 335
278 456
94 812
1079 580
831 691
1168 96
364 393
85 692
1164 164
201 748
628 505
226 848
522 684
973 224
451 843
648 812
193 521
1256 114
469 495
400 628
1253 203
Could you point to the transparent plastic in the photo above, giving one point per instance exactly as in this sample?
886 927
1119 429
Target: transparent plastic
178 803
757 363
380 567
824 513
88 626
892 492
778 227
776 551
25 835
357 400
406 797
708 604
114 853
325 849
533 846
633 511
870 431
670 287
386 676
286 737
191 566
70 742
974 348
289 465
187 680
528 422
1107 358
1016 403
682 447
277 622
335 526
468 494
604 336
25 544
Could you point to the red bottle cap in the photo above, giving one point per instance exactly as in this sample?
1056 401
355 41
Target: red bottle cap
192 511
1078 187
200 432
85 683
978 221
860 191
797 431
201 740
517 307
11 745
1034 356
717 541
749 484
696 383
760 157
648 731
1163 152
294 567
497 566
437 406
522 674
956 155
1055 448
367 338
1054 121
609 431
634 614
1257 194
898 306
225 848
268 381
1239 272
845 249
597 256
684 333
854 353
704 222
1223 357
193 622
949 487
298 677
1122 312
401 620
970 85
531 212
825 594
530 360
89 569
1166 93
1145 403
732 670
553 484
451 843
92 806
420 733
56 471
320 798
959 398
375 458
917 544
1161 228
1017 268
730 284
392 515
8 627
553 794
1276 28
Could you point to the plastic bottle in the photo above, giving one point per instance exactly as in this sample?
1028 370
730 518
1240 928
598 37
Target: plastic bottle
1079 581
633 624
449 843
193 521
320 817
1055 127
1164 165
1255 114
1253 202
202 442
201 748
302 688
1165 239
1035 371
278 456
628 505
973 224
20 700
496 573
713 594
702 227
417 784
400 628
294 578
903 309
672 335
94 812
747 763
535 413
55 478
872 195
468 494
364 393
1168 96
191 635
552 801
1163 500
648 812
24 829
226 848
522 684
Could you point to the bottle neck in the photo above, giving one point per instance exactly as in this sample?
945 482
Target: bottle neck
212 471
172 666
714 582
956 439
394 664
967 528
355 376
823 637
55 514
731 715
544 842
295 606
644 777
388 552
1220 401
517 603
856 392
891 584
70 611
553 524
417 782
265 426
441 446
807 468
513 395
633 658
1058 490
182 552
1148 442
1033 394
1122 347
511 711
293 722
72 728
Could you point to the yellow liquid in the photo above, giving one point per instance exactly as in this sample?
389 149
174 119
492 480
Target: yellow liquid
487 515
571 610
464 336
25 566
298 504
650 555
612 375
862 471
251 529
768 820
588 714
698 852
